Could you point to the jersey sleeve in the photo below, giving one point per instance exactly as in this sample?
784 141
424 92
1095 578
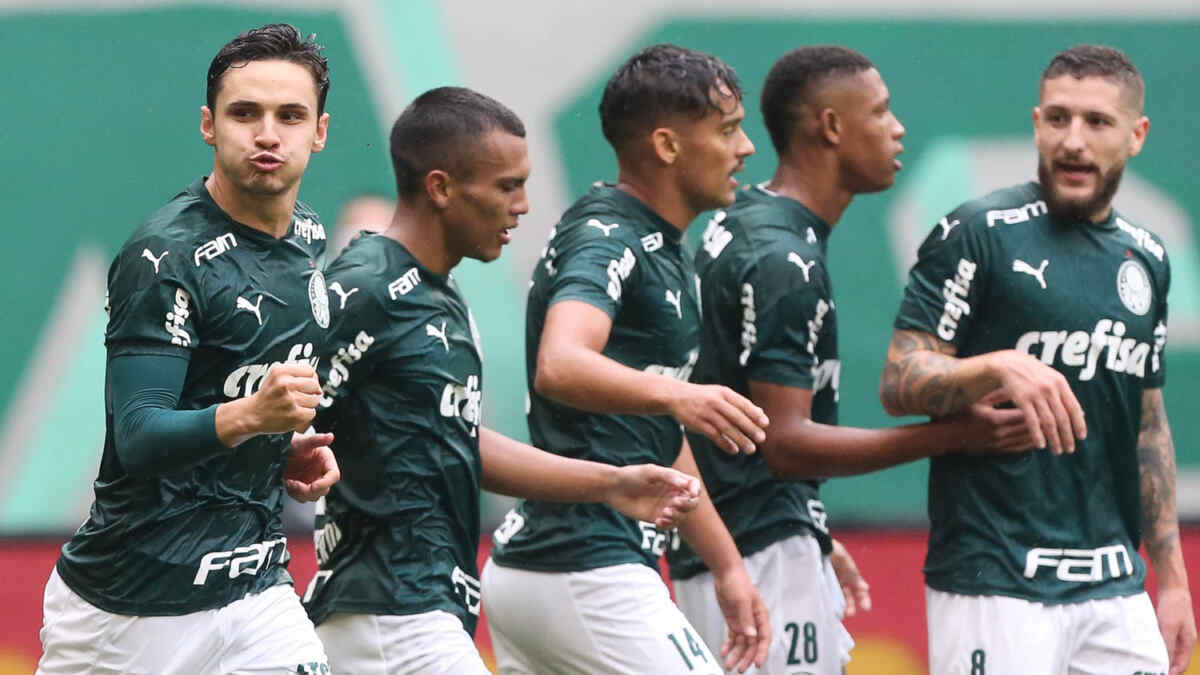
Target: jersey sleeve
946 282
355 336
592 265
1157 375
153 300
784 300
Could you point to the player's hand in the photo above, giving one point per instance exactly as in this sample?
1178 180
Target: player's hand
287 400
746 619
1052 412
1178 626
311 467
655 494
729 419
992 429
854 586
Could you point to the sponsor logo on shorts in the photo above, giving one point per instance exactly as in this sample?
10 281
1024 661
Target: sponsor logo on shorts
1080 565
242 560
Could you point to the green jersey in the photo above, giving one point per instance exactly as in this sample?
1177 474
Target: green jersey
769 316
192 282
615 253
402 378
1089 300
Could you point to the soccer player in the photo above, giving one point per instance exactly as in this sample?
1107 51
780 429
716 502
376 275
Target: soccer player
398 590
770 332
216 307
1046 292
611 336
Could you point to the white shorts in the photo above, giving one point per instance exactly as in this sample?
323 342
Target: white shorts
617 620
263 634
996 635
801 591
383 644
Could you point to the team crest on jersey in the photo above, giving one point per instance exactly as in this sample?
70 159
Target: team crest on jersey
318 297
1133 287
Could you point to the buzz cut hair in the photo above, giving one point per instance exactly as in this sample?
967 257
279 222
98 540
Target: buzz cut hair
658 83
440 130
1083 61
795 80
274 41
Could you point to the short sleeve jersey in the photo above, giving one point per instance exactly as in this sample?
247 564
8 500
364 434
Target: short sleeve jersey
613 252
193 283
402 395
1089 300
769 316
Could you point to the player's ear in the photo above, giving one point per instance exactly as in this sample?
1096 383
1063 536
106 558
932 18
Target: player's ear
206 126
1140 128
666 145
829 125
438 187
322 133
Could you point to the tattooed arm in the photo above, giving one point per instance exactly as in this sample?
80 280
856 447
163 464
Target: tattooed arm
923 376
1160 530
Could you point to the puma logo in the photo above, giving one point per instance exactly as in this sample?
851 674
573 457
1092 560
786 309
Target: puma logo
676 300
243 303
1026 268
946 224
343 294
434 332
601 226
804 267
150 256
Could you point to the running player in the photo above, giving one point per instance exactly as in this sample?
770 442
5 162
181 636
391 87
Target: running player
770 332
611 337
398 589
1045 292
216 308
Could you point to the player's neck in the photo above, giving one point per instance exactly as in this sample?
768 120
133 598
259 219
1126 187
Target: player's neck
419 231
660 194
812 182
271 214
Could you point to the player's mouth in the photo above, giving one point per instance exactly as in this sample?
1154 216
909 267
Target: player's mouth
896 163
506 235
733 182
1075 173
266 162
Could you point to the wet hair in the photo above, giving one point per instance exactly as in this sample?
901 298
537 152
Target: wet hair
1083 61
440 129
273 42
795 80
660 82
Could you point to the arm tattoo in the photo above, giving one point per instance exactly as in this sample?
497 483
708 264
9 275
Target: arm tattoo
1156 464
918 377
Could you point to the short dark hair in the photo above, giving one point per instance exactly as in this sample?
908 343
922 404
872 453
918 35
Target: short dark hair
275 41
658 82
794 81
1083 61
435 132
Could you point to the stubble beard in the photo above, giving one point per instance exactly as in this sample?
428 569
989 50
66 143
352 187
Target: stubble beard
1079 210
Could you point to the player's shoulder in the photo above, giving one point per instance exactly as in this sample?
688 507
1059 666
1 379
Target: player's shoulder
1009 205
179 226
380 268
773 233
1143 238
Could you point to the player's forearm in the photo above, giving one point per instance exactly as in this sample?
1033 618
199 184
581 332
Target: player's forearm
799 448
518 470
704 531
1160 519
923 377
582 378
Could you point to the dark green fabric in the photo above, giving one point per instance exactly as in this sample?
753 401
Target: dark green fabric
1090 301
191 281
402 376
613 252
769 316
